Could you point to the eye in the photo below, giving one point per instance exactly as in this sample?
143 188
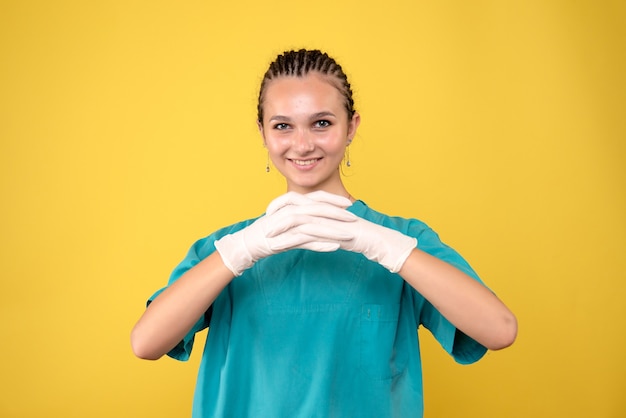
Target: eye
281 126
321 124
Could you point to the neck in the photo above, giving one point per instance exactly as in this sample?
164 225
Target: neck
339 191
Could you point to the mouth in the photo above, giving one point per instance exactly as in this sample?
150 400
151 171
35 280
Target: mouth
304 163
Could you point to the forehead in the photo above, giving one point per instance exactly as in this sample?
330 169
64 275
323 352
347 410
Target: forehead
311 87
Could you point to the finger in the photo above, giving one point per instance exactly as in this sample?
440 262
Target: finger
288 219
293 198
322 247
325 210
289 198
324 231
322 210
333 199
303 241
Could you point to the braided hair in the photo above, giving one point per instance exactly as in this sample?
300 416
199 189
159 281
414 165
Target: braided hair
299 64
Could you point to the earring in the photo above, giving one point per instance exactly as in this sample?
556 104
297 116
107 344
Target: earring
348 153
267 164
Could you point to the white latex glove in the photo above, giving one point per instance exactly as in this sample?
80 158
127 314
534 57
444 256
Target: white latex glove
291 221
386 246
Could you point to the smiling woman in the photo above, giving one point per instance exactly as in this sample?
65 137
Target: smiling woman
313 307
306 131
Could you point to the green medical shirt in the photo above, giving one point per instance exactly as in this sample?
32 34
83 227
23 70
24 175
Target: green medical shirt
307 334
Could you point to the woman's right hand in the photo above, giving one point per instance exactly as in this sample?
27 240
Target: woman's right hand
291 221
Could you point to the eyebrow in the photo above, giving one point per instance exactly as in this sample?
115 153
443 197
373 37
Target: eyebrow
318 115
279 118
322 114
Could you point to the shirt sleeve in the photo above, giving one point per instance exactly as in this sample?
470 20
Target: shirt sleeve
200 250
463 349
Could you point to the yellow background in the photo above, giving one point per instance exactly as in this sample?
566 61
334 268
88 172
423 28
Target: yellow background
128 131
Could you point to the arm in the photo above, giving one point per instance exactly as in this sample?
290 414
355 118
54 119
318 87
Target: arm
172 314
466 303
290 222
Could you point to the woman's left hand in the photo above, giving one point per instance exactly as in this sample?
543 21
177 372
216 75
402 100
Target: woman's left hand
385 246
465 302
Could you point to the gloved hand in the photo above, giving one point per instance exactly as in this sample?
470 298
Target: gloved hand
291 221
386 246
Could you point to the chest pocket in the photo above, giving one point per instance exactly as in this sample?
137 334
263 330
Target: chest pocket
315 342
384 352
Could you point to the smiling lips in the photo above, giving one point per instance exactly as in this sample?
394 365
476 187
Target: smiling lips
305 163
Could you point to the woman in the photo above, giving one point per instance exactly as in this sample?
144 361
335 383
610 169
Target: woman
313 307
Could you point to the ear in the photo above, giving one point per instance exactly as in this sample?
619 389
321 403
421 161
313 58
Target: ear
353 125
260 128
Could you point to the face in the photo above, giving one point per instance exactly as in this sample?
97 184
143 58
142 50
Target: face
306 131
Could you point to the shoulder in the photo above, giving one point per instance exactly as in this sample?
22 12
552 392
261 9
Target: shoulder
205 246
427 239
408 226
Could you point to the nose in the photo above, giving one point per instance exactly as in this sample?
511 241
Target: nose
302 142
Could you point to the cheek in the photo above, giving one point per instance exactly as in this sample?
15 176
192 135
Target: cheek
336 145
275 145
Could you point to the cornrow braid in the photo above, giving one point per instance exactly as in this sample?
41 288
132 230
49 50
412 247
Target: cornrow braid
299 64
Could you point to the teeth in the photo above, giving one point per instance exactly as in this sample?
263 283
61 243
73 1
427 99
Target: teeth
305 162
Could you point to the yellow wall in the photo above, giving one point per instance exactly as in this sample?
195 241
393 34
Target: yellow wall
127 131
